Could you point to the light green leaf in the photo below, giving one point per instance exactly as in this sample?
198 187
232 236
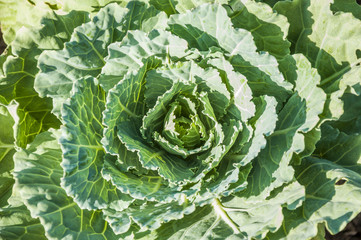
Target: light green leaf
237 86
170 167
208 80
184 5
233 217
125 101
333 183
329 44
204 223
150 215
264 123
326 200
336 90
83 154
308 144
37 174
147 186
7 150
16 14
306 87
85 52
269 160
347 6
208 26
257 216
131 54
17 224
318 34
159 22
181 6
20 70
168 6
268 28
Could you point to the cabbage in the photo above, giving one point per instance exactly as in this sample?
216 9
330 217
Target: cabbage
183 120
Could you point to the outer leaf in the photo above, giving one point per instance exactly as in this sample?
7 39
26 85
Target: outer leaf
325 201
264 124
257 216
322 34
15 220
84 54
268 28
236 84
329 44
290 119
340 148
184 5
131 54
7 151
168 6
333 183
234 218
181 6
347 6
20 69
208 26
83 153
350 121
149 215
336 91
17 224
204 223
15 14
306 86
37 174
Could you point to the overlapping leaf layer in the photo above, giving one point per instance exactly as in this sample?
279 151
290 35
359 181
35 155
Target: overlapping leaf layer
182 120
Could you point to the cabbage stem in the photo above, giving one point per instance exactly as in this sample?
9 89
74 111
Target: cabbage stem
218 208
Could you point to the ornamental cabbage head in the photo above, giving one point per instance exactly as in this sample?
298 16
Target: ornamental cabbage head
166 120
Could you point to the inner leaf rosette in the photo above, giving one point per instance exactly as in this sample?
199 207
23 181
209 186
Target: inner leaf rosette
169 122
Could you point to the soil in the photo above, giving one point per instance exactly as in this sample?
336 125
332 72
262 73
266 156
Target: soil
351 232
2 43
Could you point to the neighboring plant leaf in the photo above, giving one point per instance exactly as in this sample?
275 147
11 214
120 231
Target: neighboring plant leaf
7 150
20 70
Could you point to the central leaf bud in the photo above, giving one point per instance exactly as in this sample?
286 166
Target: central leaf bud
182 126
